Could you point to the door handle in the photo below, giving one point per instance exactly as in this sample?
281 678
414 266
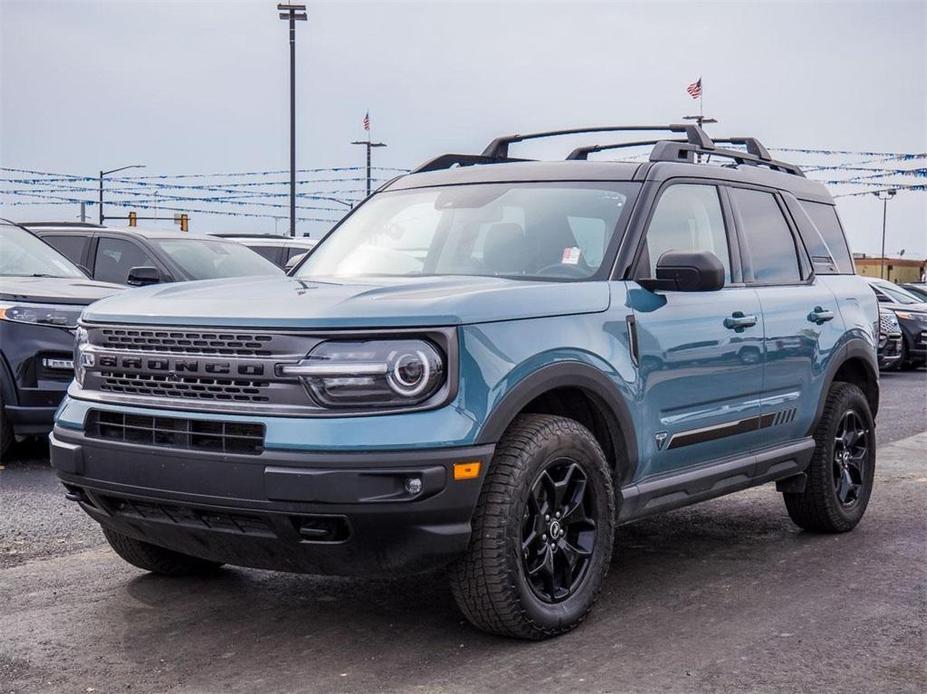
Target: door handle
820 315
739 322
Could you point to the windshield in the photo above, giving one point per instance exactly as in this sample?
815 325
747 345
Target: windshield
207 260
24 255
547 231
897 294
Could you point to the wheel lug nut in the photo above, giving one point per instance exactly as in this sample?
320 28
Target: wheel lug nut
558 514
547 518
544 537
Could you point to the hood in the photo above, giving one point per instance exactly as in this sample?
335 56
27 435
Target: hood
361 303
55 290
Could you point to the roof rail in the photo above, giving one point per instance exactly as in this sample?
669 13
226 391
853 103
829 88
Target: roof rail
447 161
683 151
499 148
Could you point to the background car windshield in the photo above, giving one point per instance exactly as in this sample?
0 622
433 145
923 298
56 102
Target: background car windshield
206 260
551 231
23 255
897 294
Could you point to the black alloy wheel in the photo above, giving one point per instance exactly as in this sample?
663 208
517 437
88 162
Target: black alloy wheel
851 451
559 530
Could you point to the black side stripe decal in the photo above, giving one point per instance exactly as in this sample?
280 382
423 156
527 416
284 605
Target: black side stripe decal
742 426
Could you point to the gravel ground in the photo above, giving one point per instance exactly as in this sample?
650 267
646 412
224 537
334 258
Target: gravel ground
721 597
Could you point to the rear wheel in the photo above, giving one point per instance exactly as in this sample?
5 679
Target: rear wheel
542 532
157 559
840 475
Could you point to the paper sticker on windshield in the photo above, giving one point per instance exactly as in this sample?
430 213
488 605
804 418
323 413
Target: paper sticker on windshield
571 256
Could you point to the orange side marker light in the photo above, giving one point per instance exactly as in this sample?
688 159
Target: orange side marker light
467 471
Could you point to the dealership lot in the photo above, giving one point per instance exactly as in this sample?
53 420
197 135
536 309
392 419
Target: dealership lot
723 596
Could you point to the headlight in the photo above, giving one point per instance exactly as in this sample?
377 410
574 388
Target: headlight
909 315
82 358
58 315
376 373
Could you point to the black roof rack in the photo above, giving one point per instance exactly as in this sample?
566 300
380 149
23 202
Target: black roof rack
696 143
499 148
683 151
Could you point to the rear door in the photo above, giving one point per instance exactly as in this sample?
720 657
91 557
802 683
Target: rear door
71 245
699 353
801 320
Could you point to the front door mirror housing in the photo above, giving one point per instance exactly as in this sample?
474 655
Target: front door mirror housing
143 276
687 271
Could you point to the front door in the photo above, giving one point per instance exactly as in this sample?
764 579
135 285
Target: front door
699 353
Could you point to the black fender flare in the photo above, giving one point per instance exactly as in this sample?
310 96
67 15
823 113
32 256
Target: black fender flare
8 394
855 348
574 374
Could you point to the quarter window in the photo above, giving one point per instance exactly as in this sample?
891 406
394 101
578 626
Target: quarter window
769 241
687 218
828 226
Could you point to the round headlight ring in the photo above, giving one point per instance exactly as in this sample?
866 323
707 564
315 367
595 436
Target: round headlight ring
404 384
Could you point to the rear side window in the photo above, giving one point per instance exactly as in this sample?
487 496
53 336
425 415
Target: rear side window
769 242
71 246
828 225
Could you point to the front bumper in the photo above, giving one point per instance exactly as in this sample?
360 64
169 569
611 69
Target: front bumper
338 513
890 350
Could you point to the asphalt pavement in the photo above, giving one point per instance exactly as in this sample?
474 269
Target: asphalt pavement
720 597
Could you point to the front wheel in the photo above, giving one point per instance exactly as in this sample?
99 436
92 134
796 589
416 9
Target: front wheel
542 532
841 473
156 559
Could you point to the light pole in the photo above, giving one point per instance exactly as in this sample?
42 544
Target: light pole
369 145
293 14
107 173
884 196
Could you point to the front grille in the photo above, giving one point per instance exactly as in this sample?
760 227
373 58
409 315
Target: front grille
239 523
175 432
188 387
234 344
888 324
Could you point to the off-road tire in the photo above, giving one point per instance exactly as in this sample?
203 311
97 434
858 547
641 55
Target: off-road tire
156 559
817 508
489 583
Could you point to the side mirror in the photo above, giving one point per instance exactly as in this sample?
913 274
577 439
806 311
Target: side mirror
143 276
293 262
687 271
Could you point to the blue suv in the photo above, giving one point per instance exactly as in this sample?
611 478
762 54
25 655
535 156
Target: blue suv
489 366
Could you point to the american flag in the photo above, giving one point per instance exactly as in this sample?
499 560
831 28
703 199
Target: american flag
367 121
695 89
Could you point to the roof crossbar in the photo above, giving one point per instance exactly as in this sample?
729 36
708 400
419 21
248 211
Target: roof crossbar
684 151
754 146
499 148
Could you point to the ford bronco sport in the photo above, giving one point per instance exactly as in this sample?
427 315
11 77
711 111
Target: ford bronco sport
488 366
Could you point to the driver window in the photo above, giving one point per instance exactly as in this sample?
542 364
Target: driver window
687 218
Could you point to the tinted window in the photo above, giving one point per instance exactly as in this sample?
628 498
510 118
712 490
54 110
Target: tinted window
206 260
828 225
687 218
24 255
272 253
770 245
115 257
519 230
71 246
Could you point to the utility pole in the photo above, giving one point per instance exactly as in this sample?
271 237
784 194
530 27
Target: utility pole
107 173
293 14
884 196
369 145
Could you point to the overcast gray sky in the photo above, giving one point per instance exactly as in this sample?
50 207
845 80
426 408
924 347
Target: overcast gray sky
189 87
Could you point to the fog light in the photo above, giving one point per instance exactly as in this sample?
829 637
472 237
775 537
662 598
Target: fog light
413 485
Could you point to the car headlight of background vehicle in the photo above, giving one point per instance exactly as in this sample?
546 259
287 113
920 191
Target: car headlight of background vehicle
56 315
912 315
374 373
